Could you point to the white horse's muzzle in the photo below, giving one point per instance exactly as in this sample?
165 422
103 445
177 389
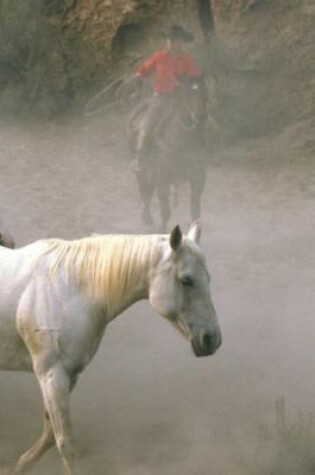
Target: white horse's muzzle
205 341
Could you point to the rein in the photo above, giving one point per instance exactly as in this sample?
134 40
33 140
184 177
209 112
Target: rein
193 124
193 121
188 126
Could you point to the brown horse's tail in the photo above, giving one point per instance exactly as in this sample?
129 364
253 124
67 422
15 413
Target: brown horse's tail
6 238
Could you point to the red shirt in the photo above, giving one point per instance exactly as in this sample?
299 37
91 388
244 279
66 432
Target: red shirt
167 69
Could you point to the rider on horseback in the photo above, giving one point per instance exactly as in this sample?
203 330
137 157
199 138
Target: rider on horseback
168 65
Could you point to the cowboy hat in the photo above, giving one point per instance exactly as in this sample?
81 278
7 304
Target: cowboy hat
176 32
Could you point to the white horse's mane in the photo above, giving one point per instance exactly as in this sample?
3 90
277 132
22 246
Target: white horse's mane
104 263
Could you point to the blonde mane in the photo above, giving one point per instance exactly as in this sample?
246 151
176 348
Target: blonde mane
106 266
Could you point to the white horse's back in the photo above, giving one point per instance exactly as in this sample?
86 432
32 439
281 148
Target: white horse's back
19 264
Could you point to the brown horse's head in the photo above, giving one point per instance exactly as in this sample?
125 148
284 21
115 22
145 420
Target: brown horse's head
193 99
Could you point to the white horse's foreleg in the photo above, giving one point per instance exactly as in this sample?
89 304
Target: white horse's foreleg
46 440
56 386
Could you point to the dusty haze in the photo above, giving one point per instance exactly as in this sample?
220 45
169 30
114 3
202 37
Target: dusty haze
146 405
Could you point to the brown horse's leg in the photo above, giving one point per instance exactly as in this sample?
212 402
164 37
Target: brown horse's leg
195 204
196 190
163 191
146 190
45 442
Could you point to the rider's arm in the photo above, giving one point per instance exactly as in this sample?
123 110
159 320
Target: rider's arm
148 66
191 66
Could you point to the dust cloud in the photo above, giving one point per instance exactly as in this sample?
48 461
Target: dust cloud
146 405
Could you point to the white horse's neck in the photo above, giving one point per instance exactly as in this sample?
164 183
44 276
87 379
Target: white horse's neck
129 280
114 270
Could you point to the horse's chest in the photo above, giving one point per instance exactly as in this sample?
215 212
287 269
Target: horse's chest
78 344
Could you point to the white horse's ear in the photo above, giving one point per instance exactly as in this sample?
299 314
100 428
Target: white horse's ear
176 238
194 232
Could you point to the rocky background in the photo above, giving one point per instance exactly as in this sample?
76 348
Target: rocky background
145 405
258 55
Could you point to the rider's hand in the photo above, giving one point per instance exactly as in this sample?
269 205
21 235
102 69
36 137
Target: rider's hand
138 82
137 85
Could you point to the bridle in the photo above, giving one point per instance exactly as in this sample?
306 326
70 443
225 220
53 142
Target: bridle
193 124
194 120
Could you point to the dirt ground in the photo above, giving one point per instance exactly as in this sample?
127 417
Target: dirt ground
146 405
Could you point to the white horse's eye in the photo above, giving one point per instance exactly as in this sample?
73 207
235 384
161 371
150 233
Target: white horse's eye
187 281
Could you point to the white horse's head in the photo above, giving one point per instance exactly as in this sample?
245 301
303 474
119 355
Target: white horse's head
179 291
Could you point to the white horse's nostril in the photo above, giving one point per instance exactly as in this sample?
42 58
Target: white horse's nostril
207 340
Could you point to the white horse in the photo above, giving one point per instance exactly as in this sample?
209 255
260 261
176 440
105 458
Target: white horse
57 298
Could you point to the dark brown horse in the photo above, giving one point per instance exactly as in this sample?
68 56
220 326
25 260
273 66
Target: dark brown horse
5 237
177 153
